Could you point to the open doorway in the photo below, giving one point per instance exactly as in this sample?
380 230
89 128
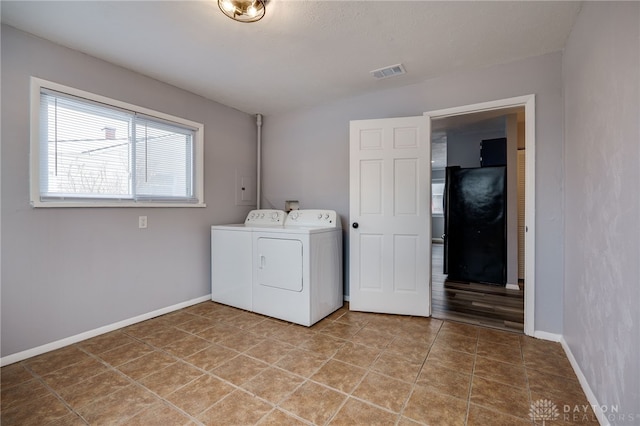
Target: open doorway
456 136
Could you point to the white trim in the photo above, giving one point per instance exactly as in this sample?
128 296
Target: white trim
512 287
10 359
544 335
34 186
528 101
591 397
346 297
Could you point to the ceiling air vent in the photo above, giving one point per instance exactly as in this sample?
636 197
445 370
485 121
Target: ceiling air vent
389 71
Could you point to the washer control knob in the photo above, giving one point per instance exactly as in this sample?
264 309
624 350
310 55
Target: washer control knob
326 215
261 215
293 215
274 216
319 215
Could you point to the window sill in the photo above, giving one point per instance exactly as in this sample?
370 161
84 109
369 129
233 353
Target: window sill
119 204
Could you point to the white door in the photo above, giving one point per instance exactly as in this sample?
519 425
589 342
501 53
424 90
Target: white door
390 199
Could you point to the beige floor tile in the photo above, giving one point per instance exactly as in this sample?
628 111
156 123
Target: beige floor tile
126 353
280 418
73 374
355 412
218 332
188 346
498 336
94 388
509 374
383 391
195 325
147 364
200 394
372 338
504 353
409 349
165 337
241 341
55 360
557 386
397 367
21 393
352 318
211 357
240 369
223 365
270 350
301 362
458 328
273 384
433 408
36 412
456 342
171 378
569 410
461 362
444 380
145 328
480 416
322 344
358 355
158 415
248 320
13 375
294 335
105 342
314 402
269 327
239 408
118 406
68 420
340 330
339 375
500 397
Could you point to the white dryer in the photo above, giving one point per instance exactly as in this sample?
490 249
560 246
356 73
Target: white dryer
232 257
297 273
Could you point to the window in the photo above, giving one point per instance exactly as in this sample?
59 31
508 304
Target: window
91 151
437 197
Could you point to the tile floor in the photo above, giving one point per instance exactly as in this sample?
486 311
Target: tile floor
213 364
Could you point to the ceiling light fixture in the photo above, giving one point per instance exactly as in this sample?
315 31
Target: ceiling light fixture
243 10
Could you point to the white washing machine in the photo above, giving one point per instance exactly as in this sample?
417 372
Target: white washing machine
297 274
232 257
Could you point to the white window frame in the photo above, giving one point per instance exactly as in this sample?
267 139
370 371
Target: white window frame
38 84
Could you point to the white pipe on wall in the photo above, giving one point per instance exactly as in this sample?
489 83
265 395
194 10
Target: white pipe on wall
259 160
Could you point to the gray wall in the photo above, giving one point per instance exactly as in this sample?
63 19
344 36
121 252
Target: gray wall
70 270
306 153
602 235
463 143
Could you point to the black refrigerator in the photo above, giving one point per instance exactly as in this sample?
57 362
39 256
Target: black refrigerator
475 221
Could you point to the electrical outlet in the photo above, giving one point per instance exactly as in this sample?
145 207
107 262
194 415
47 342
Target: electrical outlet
142 222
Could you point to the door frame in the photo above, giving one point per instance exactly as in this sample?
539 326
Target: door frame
528 102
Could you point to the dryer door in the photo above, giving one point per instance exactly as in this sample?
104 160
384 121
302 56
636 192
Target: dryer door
279 263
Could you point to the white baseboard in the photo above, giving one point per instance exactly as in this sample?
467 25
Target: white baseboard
512 287
346 297
591 397
553 337
10 359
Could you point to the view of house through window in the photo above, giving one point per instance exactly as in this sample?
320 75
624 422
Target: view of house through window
93 151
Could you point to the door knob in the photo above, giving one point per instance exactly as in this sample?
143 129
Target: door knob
355 225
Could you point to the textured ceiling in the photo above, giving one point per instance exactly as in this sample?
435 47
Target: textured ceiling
303 52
